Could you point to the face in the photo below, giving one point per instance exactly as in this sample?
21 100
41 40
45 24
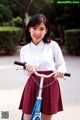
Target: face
37 33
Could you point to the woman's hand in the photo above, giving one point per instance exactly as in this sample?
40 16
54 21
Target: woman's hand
59 75
30 68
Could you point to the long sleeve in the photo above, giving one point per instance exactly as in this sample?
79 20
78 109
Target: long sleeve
59 59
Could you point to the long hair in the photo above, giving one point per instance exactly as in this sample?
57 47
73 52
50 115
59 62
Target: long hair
36 20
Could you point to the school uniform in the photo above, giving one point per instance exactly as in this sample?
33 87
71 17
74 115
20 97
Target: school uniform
47 57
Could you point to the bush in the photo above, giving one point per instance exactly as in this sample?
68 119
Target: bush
72 41
17 21
9 39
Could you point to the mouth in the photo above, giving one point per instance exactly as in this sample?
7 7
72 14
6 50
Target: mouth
37 37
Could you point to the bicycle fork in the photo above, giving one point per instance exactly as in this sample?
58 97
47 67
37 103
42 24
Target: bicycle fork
37 107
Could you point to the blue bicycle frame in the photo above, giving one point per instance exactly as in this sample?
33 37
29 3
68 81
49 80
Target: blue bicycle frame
37 107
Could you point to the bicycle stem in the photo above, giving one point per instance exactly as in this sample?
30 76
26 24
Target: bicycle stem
40 88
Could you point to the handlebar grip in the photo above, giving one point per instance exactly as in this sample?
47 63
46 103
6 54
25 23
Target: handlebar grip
67 74
19 63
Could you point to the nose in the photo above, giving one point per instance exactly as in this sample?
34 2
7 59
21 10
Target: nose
37 32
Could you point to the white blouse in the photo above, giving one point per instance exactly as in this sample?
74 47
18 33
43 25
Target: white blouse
45 56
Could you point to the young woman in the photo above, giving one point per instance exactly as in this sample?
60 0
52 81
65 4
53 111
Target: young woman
45 56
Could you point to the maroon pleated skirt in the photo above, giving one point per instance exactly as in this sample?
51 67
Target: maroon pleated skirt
51 95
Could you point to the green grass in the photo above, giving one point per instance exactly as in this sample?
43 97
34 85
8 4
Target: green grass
9 28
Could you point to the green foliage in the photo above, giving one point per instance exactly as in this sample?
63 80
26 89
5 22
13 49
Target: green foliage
9 39
5 13
66 15
17 21
42 6
52 35
72 41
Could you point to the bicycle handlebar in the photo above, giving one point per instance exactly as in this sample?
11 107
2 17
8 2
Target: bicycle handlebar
40 75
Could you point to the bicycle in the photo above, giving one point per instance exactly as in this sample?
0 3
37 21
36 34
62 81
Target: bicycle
37 107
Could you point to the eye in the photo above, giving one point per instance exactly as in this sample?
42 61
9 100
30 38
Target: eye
42 29
34 28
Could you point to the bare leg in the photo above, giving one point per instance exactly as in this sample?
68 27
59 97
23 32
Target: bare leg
27 116
43 116
46 117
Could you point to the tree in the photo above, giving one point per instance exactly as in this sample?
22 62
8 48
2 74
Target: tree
5 13
68 15
24 4
30 5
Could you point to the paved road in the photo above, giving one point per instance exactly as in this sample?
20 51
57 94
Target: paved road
12 82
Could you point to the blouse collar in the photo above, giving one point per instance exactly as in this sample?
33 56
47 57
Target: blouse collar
39 44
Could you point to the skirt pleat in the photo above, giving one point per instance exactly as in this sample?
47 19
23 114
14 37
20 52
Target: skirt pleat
51 95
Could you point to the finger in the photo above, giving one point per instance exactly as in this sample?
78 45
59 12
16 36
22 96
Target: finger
59 75
55 76
26 66
30 69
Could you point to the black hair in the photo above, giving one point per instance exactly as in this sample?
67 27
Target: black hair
36 20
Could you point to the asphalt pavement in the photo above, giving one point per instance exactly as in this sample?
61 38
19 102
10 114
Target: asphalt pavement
12 82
